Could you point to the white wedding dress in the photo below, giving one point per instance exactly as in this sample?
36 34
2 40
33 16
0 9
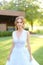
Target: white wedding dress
20 54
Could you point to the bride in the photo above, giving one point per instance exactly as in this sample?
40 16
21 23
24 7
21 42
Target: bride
19 54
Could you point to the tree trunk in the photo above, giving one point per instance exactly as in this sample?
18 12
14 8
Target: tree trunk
31 25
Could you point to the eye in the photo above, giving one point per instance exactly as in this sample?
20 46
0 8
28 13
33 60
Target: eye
19 22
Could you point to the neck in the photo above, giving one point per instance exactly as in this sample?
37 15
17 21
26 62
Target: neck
20 29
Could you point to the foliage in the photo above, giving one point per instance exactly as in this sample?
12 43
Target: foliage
30 9
5 33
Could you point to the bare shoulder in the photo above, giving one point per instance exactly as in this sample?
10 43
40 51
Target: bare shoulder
28 33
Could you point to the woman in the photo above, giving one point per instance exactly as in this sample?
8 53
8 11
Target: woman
19 54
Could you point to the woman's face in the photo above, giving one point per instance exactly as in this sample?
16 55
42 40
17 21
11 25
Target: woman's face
19 23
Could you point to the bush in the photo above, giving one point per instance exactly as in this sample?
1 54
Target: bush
5 33
39 31
26 28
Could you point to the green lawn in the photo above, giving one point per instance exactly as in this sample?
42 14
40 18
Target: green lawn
36 47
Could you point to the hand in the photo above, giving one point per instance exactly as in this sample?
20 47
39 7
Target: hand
8 58
30 58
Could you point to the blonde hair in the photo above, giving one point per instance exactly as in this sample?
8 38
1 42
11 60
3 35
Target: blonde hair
19 17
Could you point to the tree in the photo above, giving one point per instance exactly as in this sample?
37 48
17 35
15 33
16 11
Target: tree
32 14
28 6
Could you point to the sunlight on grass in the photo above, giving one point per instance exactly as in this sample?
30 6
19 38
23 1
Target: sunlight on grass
36 43
37 48
5 44
6 41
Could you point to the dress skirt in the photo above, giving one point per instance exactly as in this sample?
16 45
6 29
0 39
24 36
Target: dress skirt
21 56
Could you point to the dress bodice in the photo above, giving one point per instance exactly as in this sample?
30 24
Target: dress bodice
20 42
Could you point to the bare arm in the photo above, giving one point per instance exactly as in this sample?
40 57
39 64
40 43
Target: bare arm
12 46
11 49
28 44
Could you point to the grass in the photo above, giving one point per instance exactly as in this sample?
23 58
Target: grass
39 32
36 47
